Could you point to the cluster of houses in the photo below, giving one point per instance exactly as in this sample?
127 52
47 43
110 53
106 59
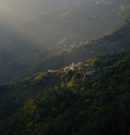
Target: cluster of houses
78 45
74 44
83 74
72 66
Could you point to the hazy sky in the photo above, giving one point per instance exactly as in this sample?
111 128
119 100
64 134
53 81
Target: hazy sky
14 13
19 11
33 6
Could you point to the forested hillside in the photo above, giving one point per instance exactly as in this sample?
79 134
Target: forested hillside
89 98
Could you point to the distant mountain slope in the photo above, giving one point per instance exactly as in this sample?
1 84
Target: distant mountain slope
36 62
95 91
43 37
75 24
117 41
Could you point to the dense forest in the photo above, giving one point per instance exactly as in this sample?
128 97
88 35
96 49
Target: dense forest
93 98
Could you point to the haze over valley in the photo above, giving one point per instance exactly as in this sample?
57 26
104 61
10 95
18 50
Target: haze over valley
32 30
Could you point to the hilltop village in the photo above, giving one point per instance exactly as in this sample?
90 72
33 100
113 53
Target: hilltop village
80 71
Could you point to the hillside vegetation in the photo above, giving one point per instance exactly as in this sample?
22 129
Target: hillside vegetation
93 98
